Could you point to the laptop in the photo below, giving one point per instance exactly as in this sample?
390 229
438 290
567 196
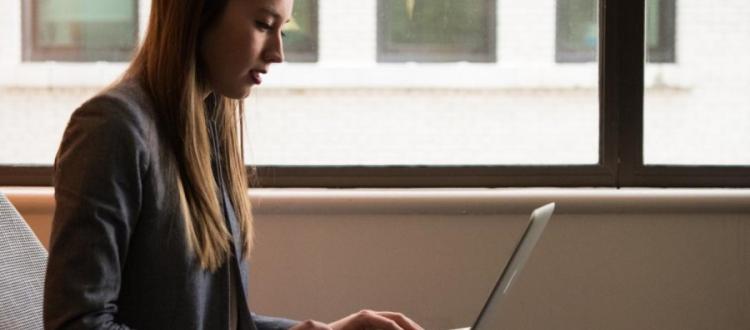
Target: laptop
491 315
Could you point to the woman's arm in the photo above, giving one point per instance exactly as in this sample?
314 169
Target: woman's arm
98 174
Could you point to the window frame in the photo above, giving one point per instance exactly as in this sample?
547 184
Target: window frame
621 94
31 52
390 53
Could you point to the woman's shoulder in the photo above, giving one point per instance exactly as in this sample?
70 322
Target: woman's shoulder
124 104
120 118
129 95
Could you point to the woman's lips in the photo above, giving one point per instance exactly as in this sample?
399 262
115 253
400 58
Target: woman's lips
255 77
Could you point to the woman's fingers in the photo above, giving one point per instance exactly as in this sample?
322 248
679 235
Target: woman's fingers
367 319
401 319
311 325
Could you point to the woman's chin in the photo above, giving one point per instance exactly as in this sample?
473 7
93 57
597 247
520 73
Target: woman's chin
239 93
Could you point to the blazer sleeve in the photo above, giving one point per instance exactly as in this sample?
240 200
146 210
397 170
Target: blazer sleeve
98 172
272 323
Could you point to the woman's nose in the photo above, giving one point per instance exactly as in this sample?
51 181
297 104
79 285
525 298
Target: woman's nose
275 50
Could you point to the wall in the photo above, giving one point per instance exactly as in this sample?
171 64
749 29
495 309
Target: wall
610 259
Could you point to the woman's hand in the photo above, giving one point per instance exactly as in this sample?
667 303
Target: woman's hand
364 320
371 320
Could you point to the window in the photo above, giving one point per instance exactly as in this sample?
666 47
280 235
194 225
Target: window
301 42
525 120
660 31
577 31
436 30
80 30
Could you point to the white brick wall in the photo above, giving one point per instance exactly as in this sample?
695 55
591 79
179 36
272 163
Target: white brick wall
526 32
10 25
348 109
344 27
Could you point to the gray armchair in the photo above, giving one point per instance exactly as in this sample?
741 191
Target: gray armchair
23 261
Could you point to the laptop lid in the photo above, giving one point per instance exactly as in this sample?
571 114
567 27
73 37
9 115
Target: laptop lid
490 316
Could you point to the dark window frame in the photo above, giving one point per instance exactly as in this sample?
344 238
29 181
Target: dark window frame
31 52
621 139
390 53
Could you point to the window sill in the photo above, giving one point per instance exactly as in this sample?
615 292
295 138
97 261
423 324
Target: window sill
468 201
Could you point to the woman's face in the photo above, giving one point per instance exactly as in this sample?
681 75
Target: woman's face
241 45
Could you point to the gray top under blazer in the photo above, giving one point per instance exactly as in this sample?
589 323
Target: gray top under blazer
118 255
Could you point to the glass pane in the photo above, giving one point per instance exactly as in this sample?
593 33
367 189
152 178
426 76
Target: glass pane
697 112
301 41
85 30
32 121
436 30
525 109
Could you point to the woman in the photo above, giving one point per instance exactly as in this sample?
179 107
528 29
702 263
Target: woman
152 227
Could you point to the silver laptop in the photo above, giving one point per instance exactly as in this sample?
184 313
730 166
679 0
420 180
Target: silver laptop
491 315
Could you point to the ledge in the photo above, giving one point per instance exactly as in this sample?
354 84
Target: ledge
461 201
548 76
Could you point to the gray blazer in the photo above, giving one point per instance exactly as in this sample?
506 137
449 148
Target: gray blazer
118 256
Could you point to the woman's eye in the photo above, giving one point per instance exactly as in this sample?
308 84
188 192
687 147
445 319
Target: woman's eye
263 26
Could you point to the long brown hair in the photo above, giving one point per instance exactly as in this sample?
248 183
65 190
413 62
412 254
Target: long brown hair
168 66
